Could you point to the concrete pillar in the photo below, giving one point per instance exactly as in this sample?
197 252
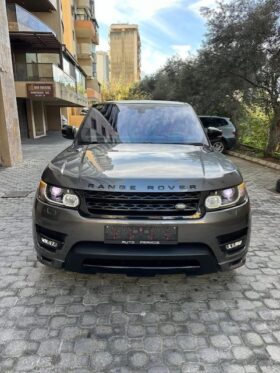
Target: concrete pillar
10 144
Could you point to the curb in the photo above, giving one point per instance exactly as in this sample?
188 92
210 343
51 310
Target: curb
255 160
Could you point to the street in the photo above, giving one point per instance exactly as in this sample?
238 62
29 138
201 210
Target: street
54 321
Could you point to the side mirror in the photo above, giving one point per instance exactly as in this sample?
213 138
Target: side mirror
68 132
214 133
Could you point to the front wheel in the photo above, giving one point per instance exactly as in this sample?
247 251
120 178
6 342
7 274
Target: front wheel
219 146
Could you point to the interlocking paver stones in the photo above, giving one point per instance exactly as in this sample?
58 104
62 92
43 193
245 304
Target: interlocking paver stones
53 321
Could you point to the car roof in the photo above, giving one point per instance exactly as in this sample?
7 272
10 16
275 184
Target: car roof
145 102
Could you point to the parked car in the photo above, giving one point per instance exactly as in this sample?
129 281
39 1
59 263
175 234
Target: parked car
68 131
228 139
84 111
64 121
141 190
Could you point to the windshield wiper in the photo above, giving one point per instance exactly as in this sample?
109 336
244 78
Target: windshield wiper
196 143
182 143
91 142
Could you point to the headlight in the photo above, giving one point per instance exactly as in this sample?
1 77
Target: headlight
58 196
229 197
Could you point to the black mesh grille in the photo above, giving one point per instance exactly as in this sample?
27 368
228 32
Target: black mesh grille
140 204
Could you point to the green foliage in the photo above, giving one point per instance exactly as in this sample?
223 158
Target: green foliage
122 91
243 41
238 65
254 127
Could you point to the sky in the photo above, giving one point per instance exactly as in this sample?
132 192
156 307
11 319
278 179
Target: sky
167 27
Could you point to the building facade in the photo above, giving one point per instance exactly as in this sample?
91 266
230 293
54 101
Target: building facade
125 53
103 67
81 37
52 46
86 29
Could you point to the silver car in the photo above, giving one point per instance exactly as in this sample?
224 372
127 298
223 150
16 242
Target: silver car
228 138
141 190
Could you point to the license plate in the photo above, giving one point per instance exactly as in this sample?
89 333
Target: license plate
141 235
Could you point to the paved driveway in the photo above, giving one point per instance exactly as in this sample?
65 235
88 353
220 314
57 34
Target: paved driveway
53 321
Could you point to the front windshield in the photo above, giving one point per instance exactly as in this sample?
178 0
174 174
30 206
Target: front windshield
143 124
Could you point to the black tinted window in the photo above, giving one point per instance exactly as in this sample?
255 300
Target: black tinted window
213 122
142 123
220 122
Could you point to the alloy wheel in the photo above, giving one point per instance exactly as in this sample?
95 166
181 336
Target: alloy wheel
219 147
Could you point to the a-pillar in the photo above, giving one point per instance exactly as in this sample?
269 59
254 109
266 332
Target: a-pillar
10 143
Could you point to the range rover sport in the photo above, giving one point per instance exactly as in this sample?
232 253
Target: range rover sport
141 190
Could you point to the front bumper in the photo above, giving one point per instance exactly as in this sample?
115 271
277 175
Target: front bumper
201 243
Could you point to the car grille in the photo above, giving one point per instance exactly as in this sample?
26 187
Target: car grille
136 205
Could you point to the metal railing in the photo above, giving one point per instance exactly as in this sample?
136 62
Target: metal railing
44 72
61 77
22 20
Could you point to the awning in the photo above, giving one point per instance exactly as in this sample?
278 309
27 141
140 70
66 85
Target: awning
34 41
36 5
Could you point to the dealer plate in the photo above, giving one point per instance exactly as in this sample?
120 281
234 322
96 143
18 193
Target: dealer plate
141 235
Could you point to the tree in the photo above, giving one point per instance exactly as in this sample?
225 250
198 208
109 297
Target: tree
239 64
243 43
122 91
196 81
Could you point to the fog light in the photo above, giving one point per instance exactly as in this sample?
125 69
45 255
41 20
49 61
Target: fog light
234 245
213 202
71 200
49 243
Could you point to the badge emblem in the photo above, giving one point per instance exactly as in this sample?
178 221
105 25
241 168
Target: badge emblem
180 206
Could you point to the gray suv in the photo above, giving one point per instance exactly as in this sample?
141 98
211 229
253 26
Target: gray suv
228 138
140 190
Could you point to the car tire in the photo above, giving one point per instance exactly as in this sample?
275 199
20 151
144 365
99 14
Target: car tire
278 186
219 146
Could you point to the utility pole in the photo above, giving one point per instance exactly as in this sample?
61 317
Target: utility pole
10 142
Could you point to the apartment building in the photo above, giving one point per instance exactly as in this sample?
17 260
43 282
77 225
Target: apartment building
86 28
52 45
103 67
125 53
81 37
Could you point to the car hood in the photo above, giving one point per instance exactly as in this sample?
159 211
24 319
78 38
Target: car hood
136 167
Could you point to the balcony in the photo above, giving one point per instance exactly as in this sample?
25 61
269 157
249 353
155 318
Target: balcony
21 20
87 28
84 50
88 69
84 4
65 87
43 72
93 90
29 32
36 5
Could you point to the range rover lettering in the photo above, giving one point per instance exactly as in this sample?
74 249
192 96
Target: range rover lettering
141 190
